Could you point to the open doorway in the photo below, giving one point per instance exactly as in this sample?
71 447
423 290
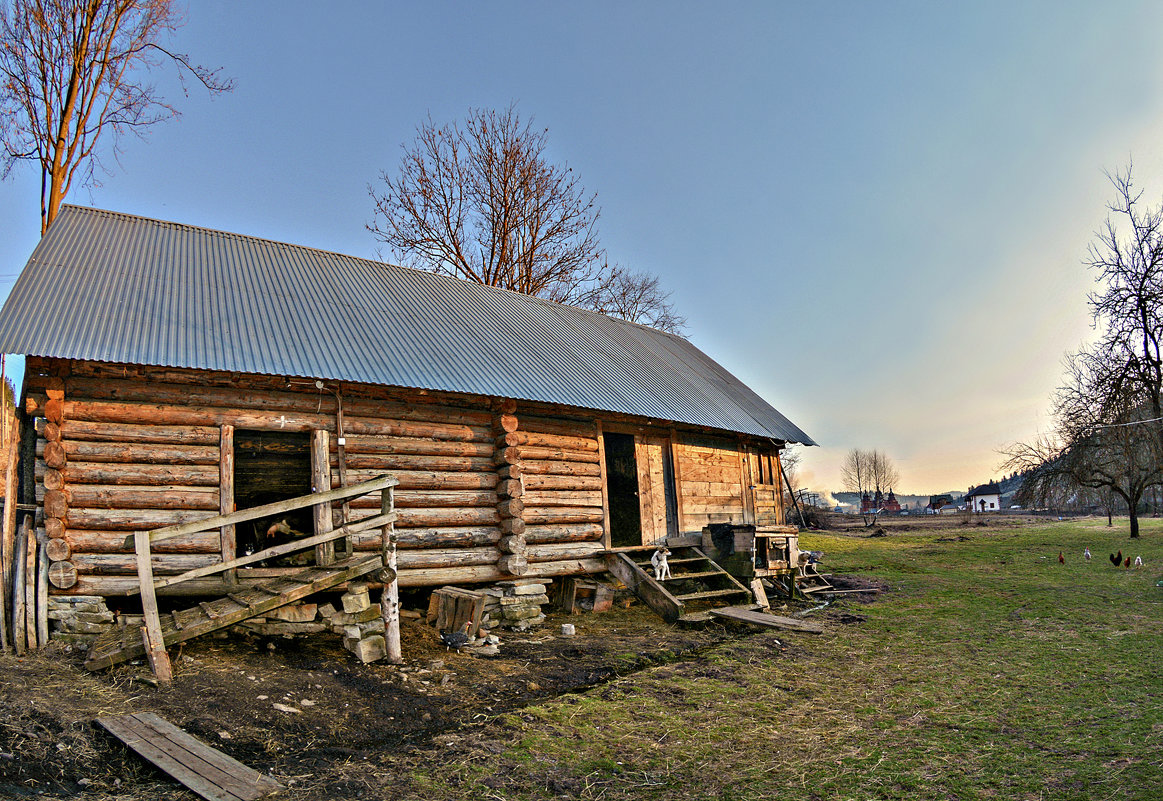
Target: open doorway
271 466
622 490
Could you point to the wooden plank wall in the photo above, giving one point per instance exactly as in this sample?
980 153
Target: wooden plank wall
137 448
712 483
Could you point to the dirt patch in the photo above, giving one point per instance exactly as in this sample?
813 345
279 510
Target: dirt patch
330 708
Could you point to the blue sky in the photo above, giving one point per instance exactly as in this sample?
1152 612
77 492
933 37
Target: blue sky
874 214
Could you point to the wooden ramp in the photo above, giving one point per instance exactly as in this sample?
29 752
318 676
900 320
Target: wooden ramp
202 769
744 615
125 643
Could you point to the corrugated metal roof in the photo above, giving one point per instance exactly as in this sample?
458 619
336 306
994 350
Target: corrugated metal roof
119 288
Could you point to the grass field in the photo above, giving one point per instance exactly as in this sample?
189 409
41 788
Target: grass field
986 670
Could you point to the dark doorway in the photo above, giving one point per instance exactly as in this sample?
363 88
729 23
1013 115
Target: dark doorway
622 490
271 466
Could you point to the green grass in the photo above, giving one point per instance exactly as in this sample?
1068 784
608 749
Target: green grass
986 670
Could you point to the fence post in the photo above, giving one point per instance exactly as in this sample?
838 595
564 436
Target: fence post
151 632
390 596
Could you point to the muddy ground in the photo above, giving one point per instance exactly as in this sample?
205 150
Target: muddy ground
303 708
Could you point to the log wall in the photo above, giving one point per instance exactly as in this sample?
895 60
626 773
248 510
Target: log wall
486 492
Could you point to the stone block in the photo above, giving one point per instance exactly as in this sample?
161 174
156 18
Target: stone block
355 602
295 613
371 649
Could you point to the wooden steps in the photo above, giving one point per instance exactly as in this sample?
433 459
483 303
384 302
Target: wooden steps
202 769
125 643
675 598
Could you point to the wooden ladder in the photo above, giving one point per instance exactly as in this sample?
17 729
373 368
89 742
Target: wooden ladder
696 585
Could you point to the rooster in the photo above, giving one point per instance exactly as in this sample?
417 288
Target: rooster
1117 559
1086 553
1061 558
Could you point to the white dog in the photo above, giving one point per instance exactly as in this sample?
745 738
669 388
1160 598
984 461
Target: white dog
660 565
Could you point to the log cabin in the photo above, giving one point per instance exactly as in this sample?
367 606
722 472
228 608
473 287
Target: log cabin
175 373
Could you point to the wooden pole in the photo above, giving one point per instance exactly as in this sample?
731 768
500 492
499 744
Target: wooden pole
321 482
30 583
390 598
151 632
8 536
341 460
41 588
19 565
227 533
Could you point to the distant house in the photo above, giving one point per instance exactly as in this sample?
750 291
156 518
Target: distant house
939 504
986 498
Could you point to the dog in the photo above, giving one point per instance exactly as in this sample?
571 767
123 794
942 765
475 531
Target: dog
660 565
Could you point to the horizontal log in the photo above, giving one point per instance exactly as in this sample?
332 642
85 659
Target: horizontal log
511 488
161 414
163 564
248 397
558 426
431 499
563 514
54 527
362 445
551 482
452 537
531 453
97 541
423 479
516 545
55 504
52 479
563 498
406 461
507 456
54 455
549 442
52 433
95 584
143 453
512 526
149 475
507 422
444 518
54 410
575 532
128 432
105 496
58 549
513 507
447 557
556 552
560 469
513 564
510 471
131 519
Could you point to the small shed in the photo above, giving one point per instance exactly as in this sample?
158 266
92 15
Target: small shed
175 373
984 498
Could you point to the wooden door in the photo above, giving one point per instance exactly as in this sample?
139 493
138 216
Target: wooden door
766 489
656 489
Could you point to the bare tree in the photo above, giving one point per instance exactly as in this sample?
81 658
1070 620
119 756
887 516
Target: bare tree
480 200
73 70
868 472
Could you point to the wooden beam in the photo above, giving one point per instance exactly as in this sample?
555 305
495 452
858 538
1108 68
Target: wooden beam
226 498
155 646
321 482
606 541
302 502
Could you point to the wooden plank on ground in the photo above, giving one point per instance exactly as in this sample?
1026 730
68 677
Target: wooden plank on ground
766 620
206 771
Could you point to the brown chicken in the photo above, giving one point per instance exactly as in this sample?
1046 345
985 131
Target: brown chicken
1061 558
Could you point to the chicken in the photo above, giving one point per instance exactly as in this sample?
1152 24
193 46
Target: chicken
1086 553
1138 562
1061 558
1128 562
1117 559
456 639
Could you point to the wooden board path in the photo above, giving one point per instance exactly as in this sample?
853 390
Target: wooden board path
206 771
766 620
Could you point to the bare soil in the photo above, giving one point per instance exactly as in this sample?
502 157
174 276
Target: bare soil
335 712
